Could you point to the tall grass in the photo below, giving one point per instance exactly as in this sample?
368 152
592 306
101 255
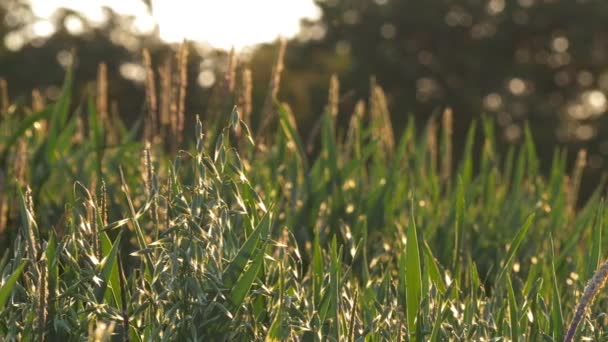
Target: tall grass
374 238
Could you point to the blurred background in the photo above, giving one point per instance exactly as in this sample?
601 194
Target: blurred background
544 62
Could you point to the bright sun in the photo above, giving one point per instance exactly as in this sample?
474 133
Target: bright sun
221 23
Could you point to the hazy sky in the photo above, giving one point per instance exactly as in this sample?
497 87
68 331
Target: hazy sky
222 23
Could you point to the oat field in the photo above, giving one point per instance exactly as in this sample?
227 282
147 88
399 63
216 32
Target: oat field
230 231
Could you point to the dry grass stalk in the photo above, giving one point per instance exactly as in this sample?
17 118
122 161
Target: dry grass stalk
20 162
43 298
359 109
182 64
290 116
448 125
164 73
102 92
31 235
381 119
354 125
244 102
149 182
168 200
3 207
334 97
174 116
273 88
278 69
577 175
103 203
431 142
151 124
38 102
230 76
79 134
93 212
4 100
594 286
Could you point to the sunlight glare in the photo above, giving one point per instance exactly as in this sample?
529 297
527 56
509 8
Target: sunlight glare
221 23
227 23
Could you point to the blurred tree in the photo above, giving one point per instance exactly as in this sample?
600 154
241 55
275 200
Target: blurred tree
36 52
545 61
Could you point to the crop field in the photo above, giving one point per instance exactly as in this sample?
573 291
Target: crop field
225 230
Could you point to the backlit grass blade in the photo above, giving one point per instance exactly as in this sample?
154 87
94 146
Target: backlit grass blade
557 317
530 152
7 288
241 287
413 275
59 116
106 249
246 253
466 168
513 311
442 314
317 269
107 265
595 253
293 136
458 223
24 125
514 246
334 290
433 269
275 332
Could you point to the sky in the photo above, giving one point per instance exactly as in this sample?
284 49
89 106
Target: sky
222 23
